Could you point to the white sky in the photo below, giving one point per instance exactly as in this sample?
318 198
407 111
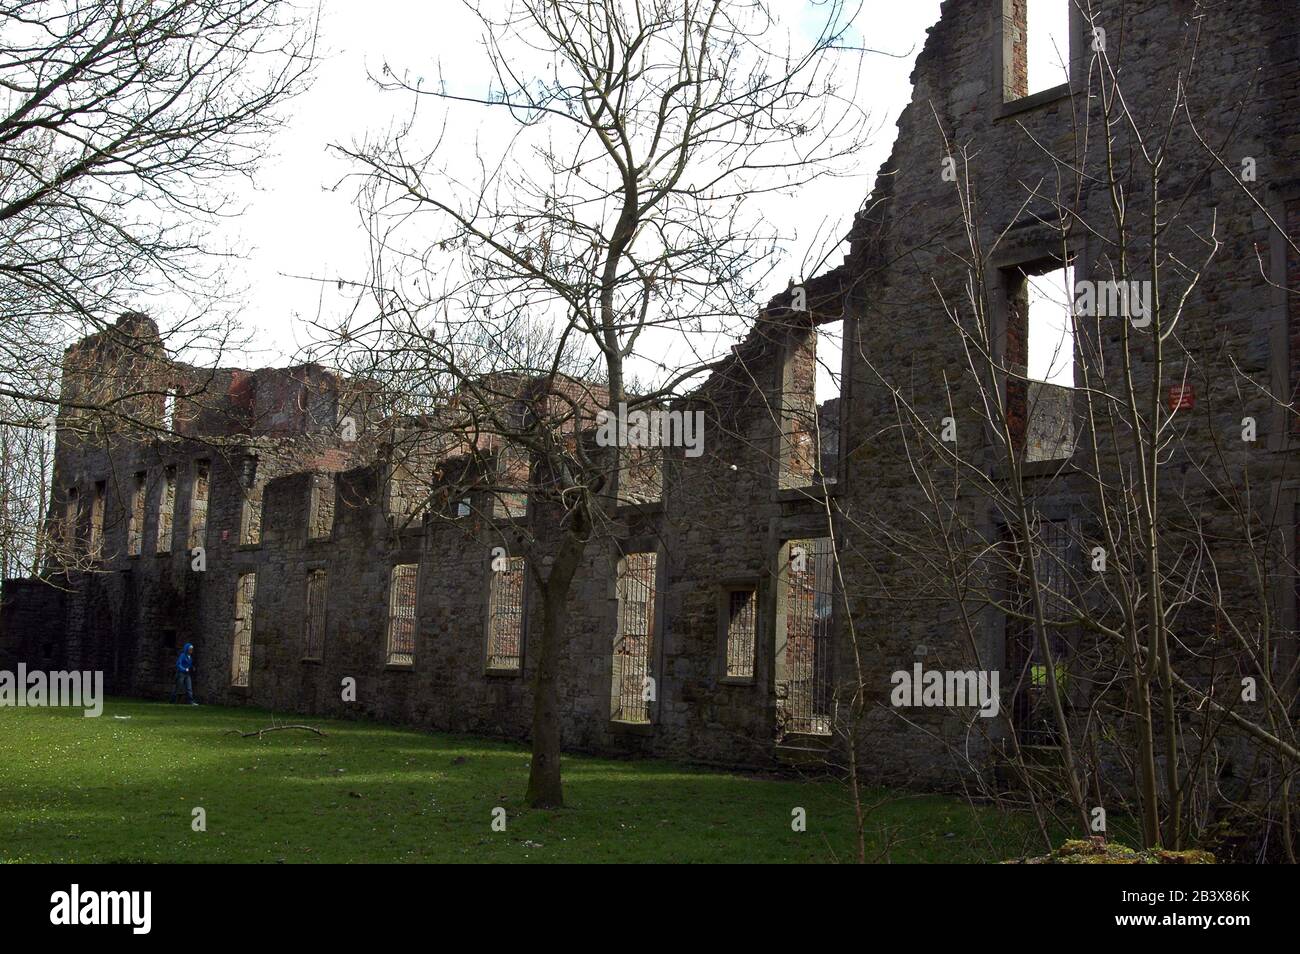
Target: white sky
1048 22
300 221
1051 357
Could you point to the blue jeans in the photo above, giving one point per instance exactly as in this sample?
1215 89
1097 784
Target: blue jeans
183 684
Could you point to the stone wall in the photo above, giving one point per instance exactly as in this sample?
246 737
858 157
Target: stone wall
722 520
32 623
914 247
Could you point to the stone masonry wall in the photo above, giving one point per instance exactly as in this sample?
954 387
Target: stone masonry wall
723 519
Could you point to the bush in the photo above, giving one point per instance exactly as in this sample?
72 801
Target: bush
1098 851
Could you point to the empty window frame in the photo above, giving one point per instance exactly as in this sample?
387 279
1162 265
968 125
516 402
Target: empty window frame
314 616
401 614
320 507
1039 355
166 508
810 407
641 474
739 631
1050 326
241 656
1288 239
1220 627
1052 549
199 504
805 637
401 495
135 518
1035 46
505 636
169 411
97 520
71 518
513 469
631 692
250 512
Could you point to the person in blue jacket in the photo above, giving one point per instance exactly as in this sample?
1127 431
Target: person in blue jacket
185 674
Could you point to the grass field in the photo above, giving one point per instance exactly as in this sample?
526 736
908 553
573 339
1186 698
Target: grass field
123 787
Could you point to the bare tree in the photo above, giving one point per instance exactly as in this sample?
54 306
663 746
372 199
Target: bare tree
122 125
24 492
1129 546
595 264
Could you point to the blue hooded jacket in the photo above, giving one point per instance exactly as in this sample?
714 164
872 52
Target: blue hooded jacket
183 662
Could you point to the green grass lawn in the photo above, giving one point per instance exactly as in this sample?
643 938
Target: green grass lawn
122 787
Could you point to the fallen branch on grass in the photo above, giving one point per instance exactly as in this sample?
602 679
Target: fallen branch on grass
275 728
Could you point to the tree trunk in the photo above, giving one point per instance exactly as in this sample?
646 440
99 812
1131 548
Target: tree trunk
544 786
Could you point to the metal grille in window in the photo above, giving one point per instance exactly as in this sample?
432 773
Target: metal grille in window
199 505
506 616
250 520
71 514
166 507
135 526
401 615
742 627
632 641
314 626
808 637
1031 708
242 655
320 517
97 520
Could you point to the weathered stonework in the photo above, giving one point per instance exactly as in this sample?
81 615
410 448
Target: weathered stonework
722 520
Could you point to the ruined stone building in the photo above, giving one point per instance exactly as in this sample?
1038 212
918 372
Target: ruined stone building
324 563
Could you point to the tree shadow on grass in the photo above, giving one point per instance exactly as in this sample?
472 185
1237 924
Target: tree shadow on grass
127 789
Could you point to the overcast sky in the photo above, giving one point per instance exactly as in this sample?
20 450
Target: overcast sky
300 223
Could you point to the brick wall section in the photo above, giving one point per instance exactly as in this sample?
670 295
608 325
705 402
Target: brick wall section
1017 78
1017 362
799 409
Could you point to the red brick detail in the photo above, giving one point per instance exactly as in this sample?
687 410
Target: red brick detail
1017 362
